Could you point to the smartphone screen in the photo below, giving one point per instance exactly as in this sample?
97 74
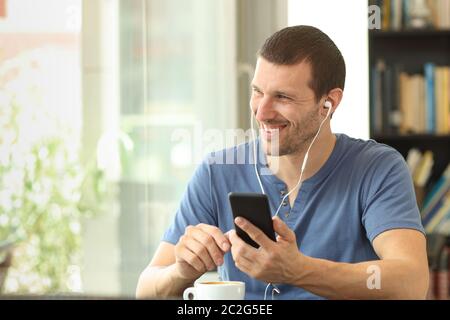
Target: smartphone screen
255 208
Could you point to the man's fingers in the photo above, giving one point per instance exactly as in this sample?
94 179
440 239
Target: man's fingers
192 259
283 230
244 264
239 248
220 239
201 251
234 239
207 240
256 234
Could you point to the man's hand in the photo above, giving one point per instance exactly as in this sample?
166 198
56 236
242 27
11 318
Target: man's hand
200 249
274 262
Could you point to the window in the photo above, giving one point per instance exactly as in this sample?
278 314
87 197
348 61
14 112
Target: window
175 80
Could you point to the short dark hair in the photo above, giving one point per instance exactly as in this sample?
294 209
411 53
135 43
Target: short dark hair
296 44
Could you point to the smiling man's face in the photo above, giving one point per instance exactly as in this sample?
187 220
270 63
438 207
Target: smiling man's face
283 103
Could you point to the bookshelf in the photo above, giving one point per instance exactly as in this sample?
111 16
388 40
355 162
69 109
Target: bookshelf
407 51
438 144
410 109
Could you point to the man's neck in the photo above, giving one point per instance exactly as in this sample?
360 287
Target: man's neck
289 165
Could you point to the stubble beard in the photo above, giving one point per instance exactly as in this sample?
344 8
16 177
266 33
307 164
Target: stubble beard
297 139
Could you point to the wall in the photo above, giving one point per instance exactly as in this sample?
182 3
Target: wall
346 22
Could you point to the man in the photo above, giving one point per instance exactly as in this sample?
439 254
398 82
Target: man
354 216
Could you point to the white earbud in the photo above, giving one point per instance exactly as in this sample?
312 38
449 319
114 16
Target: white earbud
328 105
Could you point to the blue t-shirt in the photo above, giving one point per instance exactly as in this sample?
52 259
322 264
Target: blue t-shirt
363 189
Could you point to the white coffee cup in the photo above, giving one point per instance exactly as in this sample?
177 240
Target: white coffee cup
215 290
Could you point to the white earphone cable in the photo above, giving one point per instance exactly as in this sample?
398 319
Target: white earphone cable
304 162
255 158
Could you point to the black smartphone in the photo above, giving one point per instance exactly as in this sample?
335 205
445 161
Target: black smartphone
255 208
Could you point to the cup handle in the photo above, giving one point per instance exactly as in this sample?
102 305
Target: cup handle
189 291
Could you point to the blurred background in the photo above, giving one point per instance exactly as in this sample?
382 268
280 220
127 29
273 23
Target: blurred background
106 107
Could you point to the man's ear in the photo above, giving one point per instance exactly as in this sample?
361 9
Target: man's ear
334 96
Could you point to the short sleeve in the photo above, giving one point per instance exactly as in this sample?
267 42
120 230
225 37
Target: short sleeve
195 206
390 200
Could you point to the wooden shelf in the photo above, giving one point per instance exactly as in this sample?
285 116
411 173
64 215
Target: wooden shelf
413 137
410 47
409 33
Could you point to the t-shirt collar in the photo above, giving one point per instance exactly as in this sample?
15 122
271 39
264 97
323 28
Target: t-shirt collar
267 176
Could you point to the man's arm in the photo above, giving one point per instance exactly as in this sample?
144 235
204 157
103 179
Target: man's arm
402 272
403 268
161 282
176 267
160 279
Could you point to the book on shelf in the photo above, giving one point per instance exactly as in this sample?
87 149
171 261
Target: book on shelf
442 88
430 105
413 159
440 13
440 215
438 186
385 12
435 212
396 14
432 200
404 103
422 172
